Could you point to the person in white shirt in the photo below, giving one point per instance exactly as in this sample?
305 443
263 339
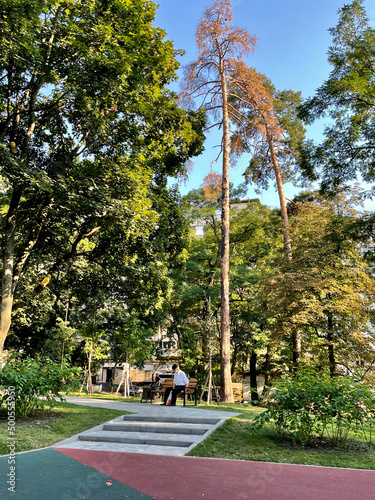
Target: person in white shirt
180 381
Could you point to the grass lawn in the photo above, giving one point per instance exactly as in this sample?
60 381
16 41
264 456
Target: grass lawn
50 427
233 441
106 395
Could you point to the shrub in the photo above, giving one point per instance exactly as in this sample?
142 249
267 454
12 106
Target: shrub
312 405
34 383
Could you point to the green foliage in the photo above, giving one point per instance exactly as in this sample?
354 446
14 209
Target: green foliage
129 339
32 383
347 97
327 292
193 310
62 341
89 135
312 406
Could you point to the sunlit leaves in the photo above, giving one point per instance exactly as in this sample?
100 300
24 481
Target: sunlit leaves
347 97
327 292
89 131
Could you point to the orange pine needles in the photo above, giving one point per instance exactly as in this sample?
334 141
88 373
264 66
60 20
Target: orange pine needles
212 186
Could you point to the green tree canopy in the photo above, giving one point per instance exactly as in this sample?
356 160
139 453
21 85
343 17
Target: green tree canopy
193 312
347 97
88 136
327 292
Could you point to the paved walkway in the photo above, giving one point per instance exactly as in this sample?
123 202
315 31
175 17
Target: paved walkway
68 472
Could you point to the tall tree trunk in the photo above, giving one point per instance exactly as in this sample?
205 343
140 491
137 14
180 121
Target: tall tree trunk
221 49
280 190
226 379
331 349
7 289
253 378
267 376
296 336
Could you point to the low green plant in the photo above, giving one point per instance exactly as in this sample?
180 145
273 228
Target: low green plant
312 406
30 384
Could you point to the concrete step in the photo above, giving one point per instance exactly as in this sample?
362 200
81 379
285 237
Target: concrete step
175 430
171 419
143 438
151 432
170 428
166 431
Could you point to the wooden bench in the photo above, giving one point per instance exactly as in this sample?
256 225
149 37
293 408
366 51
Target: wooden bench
191 388
168 382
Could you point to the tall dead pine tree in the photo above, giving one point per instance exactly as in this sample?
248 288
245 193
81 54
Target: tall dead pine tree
221 47
267 125
259 131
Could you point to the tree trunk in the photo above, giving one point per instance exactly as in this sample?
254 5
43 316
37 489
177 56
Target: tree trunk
89 379
226 379
209 392
280 190
267 376
331 350
296 336
7 289
253 378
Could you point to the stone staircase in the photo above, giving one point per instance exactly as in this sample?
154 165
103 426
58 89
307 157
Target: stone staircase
169 432
151 429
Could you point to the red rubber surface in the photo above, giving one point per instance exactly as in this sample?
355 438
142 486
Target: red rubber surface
189 478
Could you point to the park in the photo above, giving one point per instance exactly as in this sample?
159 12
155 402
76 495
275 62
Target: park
169 206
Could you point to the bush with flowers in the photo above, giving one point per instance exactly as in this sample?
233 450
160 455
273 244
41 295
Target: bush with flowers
312 407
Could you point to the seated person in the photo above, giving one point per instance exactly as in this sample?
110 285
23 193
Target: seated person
156 384
157 379
180 381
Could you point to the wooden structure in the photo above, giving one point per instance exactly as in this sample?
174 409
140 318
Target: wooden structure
150 393
125 380
210 386
191 388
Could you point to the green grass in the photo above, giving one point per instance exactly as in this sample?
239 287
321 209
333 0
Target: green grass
49 427
233 441
106 395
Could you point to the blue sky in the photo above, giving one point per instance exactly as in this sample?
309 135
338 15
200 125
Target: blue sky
292 51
